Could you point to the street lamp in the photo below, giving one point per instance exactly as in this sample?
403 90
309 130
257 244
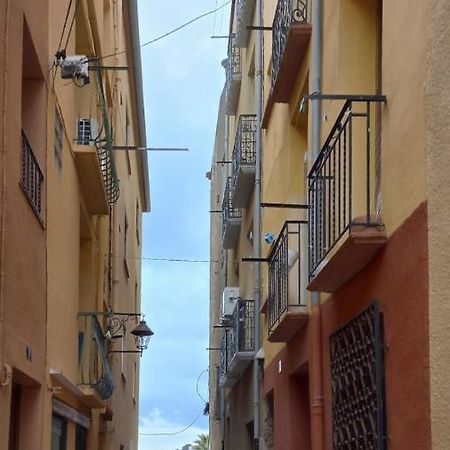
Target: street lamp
116 328
142 334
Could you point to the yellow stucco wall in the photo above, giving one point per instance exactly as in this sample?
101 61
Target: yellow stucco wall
78 242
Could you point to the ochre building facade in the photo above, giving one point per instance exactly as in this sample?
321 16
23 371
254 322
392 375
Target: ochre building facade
72 196
352 212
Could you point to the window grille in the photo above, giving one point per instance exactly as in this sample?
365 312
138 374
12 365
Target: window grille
357 383
84 132
32 177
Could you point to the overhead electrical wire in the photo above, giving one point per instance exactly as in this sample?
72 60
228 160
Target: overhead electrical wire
64 26
186 260
169 32
71 24
174 433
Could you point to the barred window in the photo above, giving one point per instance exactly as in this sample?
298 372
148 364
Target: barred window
84 132
357 383
32 177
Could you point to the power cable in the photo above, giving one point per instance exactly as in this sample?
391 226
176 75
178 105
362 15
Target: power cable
64 26
169 32
175 432
71 24
196 385
148 258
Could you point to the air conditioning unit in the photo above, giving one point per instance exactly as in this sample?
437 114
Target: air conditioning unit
229 300
75 67
87 131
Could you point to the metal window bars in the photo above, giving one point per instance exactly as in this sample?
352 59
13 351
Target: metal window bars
288 12
244 150
32 177
342 179
357 383
284 273
228 211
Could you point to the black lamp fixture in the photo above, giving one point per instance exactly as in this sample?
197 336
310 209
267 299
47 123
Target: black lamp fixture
142 332
116 329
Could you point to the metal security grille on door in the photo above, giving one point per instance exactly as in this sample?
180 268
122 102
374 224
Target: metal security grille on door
357 383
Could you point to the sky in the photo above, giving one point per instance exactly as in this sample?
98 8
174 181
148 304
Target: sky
183 79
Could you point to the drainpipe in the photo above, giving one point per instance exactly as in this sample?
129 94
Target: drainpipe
257 219
3 179
316 386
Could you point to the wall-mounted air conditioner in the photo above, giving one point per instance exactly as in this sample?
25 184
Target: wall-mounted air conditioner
229 300
75 67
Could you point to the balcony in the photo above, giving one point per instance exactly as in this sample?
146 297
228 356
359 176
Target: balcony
286 312
234 76
238 345
244 18
93 366
231 219
94 158
291 32
344 227
244 161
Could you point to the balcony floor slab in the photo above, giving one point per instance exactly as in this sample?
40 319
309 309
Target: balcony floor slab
290 322
358 248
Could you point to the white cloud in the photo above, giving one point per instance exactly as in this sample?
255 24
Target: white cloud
155 423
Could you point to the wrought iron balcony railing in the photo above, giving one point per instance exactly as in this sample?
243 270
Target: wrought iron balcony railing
342 179
288 12
230 218
244 14
93 366
104 149
233 75
284 273
238 342
32 177
224 355
244 158
242 328
234 59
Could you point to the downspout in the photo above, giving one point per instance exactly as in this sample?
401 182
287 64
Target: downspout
316 385
257 220
3 180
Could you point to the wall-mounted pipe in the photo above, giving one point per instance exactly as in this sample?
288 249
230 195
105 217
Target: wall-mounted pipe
316 369
259 83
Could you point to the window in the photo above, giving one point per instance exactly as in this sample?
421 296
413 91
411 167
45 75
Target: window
59 130
32 177
357 383
59 433
84 132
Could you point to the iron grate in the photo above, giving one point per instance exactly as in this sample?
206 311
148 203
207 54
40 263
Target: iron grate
357 383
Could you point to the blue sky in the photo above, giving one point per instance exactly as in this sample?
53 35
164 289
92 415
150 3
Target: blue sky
183 79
